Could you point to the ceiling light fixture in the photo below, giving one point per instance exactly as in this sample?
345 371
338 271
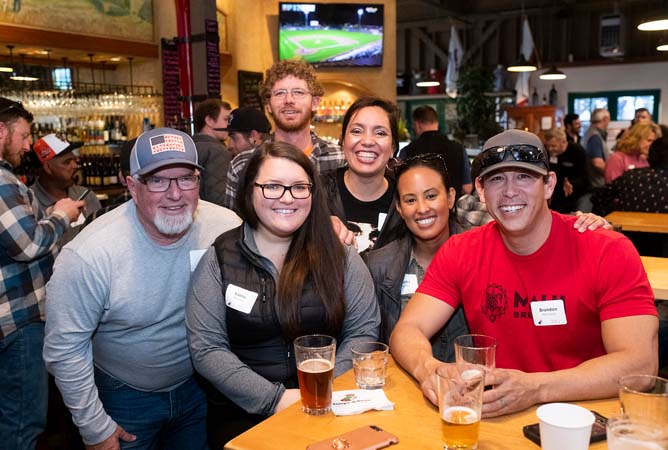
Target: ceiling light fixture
10 67
656 23
23 75
552 74
427 83
662 47
522 65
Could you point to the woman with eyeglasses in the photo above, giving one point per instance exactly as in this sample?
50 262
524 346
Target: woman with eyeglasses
425 201
281 275
361 194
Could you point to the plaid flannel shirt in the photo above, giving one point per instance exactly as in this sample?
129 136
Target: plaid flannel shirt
27 252
325 156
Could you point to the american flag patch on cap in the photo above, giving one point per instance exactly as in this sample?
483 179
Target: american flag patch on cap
167 143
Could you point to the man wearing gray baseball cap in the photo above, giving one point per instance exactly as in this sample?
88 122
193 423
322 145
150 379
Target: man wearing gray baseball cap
571 312
115 334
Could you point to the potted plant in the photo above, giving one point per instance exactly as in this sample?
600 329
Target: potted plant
476 105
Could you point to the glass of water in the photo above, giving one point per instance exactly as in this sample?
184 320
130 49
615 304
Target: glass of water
632 433
370 364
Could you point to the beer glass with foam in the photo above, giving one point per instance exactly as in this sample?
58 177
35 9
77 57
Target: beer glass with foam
460 389
315 355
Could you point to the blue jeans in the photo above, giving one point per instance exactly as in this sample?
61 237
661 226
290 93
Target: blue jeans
23 388
160 420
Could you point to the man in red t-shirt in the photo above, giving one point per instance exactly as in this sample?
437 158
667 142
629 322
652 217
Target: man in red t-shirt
571 312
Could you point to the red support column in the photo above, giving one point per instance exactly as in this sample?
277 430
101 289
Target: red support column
185 60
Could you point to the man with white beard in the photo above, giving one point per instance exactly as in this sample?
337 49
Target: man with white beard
115 334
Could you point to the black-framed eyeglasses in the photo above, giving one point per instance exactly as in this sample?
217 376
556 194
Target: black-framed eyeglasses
273 191
13 105
162 184
522 152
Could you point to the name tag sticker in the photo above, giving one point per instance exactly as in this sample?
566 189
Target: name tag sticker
547 313
195 256
409 285
240 299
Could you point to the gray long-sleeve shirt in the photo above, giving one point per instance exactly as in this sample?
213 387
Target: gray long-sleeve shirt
210 346
116 301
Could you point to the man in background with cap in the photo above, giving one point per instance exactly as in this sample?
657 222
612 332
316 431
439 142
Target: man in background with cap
28 247
58 164
210 120
115 334
247 128
571 312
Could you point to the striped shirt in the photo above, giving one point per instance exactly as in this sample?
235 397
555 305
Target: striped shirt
325 156
27 251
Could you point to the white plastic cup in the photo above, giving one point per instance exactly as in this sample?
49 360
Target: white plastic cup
564 426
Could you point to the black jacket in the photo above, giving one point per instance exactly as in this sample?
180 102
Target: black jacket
256 338
388 266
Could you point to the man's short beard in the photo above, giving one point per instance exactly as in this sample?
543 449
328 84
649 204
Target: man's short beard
171 225
306 123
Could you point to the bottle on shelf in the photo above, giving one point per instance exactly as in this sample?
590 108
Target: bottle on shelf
553 96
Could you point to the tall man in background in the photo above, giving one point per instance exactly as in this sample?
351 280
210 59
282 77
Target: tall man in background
596 148
291 94
28 247
572 125
429 140
210 120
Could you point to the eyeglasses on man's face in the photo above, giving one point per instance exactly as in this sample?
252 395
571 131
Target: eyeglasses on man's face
296 93
162 184
273 191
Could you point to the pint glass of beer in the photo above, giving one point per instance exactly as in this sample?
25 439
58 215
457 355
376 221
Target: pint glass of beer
315 354
460 389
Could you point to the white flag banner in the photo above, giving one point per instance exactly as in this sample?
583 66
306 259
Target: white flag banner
522 83
455 53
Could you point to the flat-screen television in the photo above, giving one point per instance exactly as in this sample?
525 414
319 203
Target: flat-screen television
332 34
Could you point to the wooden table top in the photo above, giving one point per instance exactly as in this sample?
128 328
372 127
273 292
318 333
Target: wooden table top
657 272
414 420
639 221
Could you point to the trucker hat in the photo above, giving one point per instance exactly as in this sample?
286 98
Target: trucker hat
512 148
52 145
247 119
162 147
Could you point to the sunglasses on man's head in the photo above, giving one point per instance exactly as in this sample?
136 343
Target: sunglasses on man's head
13 105
522 152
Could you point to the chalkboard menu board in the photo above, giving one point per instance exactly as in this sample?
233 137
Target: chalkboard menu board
170 82
212 58
249 89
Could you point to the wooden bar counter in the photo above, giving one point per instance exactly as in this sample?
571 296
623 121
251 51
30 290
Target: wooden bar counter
414 420
657 273
639 221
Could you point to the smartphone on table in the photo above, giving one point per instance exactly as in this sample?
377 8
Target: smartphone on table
369 437
532 432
